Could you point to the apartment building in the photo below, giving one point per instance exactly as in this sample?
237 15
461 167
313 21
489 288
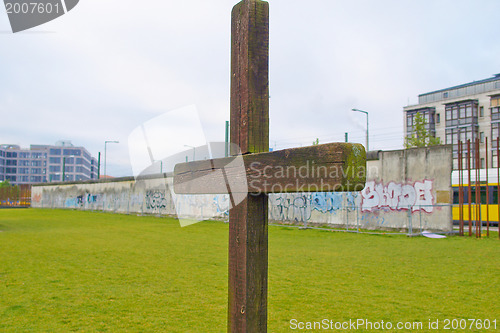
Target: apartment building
46 163
463 112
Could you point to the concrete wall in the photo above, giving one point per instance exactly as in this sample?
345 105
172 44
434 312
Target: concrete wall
410 184
406 189
148 195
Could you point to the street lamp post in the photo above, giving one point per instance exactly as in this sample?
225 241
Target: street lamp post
72 162
105 143
365 112
194 151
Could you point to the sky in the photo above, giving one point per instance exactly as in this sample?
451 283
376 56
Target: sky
107 67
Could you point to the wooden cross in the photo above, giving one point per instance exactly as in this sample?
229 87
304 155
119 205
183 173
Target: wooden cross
321 168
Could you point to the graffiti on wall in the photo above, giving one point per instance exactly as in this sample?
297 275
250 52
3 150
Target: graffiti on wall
378 205
222 204
290 207
299 207
37 198
397 197
332 202
83 200
156 200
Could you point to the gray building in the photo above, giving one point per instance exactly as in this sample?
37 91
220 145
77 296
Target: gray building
462 113
45 163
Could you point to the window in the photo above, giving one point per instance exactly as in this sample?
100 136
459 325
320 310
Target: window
68 152
445 95
461 113
55 160
429 114
55 168
495 101
23 171
10 170
24 163
36 171
438 118
55 152
481 111
24 155
36 179
11 162
462 133
11 154
494 136
495 107
481 136
36 163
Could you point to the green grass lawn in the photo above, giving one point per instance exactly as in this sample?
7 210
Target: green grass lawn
82 271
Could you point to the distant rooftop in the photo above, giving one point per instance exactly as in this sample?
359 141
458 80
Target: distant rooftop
10 146
60 143
67 143
471 88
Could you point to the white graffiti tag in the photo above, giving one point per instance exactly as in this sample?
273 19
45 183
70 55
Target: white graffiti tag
398 196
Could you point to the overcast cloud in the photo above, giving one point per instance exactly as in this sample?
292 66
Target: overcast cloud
106 67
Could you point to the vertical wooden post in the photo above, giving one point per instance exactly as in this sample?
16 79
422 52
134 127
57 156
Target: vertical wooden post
248 239
460 188
498 183
250 76
487 192
469 157
478 189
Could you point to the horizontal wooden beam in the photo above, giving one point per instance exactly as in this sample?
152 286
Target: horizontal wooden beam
332 167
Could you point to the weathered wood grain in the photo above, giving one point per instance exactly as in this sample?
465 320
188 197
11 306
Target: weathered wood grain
247 294
322 168
250 76
329 167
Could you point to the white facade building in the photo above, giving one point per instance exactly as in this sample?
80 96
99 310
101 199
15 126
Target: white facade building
45 163
463 112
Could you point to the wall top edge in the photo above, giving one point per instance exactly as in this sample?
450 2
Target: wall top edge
112 180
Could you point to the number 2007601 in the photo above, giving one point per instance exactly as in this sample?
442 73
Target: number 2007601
31 8
470 324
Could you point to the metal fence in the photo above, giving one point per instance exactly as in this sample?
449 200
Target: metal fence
15 196
477 187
